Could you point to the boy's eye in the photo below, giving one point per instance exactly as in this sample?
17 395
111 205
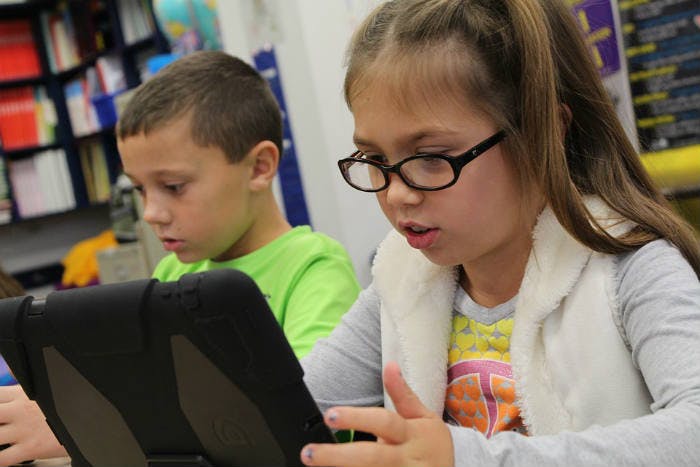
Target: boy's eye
139 189
175 187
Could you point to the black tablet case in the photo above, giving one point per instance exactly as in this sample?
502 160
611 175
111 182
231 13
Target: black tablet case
189 373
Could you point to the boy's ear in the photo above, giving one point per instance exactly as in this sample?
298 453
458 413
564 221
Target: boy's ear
265 158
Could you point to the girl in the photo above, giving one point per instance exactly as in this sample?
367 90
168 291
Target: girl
538 294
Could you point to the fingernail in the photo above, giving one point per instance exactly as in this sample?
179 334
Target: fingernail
332 416
308 453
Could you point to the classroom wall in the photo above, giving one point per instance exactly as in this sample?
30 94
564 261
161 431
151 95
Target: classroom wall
309 38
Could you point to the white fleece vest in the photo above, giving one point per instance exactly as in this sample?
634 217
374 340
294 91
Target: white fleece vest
570 365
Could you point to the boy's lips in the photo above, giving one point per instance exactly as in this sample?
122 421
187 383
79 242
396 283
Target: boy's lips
172 244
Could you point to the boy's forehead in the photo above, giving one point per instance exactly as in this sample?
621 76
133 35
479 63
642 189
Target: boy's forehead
167 151
177 129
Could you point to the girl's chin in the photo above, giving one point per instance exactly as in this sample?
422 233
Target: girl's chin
440 260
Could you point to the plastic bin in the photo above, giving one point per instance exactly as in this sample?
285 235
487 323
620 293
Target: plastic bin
104 107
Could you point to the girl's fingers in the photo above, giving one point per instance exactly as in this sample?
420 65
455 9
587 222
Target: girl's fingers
391 428
9 393
8 435
382 423
407 404
9 411
12 455
360 454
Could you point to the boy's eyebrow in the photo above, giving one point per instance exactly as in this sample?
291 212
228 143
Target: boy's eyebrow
161 173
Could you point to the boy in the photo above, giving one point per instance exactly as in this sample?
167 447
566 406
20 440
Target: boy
201 142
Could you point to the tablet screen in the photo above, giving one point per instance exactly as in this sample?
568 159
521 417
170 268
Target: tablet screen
6 378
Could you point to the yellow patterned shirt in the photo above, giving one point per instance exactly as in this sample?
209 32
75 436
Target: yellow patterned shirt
480 387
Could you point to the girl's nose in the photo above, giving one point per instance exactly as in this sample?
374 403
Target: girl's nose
398 193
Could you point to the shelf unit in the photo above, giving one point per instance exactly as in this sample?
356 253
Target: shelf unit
107 19
88 216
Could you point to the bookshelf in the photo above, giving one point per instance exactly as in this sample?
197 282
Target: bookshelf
63 63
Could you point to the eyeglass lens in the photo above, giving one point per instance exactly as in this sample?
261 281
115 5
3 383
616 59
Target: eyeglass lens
421 172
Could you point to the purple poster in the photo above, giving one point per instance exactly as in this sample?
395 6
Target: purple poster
598 24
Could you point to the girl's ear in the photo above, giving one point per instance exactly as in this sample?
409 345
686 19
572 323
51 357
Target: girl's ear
264 158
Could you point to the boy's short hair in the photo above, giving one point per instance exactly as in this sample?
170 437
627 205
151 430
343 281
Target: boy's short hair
230 105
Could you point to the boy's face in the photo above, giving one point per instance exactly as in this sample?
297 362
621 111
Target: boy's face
197 202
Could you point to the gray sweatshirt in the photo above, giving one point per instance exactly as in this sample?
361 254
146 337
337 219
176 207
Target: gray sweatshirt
660 309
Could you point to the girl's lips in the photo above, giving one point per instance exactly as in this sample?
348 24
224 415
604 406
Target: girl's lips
421 240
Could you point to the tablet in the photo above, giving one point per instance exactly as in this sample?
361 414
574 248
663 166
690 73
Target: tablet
190 373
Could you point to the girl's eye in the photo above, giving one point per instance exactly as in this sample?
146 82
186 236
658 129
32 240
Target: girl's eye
376 158
429 161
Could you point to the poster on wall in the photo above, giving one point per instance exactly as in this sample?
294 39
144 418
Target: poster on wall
600 24
662 46
294 200
663 49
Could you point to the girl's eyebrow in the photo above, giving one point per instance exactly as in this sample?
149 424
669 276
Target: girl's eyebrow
360 141
411 139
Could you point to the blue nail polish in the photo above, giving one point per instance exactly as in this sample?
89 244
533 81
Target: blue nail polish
308 453
332 416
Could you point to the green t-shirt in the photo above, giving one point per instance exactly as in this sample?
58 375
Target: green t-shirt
306 276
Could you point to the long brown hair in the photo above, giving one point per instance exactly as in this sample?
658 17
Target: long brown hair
526 65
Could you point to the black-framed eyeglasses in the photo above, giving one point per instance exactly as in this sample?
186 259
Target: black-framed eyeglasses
426 172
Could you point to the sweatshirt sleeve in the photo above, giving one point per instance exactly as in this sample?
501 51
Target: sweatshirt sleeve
659 297
345 368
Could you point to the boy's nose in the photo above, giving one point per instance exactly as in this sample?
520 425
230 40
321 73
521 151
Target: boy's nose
398 193
154 213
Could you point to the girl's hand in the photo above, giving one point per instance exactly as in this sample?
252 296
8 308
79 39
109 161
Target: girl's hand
24 428
413 436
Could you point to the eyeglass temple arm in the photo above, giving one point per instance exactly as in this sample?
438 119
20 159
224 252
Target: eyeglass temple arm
482 147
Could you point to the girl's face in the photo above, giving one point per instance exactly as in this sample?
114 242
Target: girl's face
485 218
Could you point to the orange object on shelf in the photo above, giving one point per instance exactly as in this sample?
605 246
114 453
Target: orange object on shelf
80 262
